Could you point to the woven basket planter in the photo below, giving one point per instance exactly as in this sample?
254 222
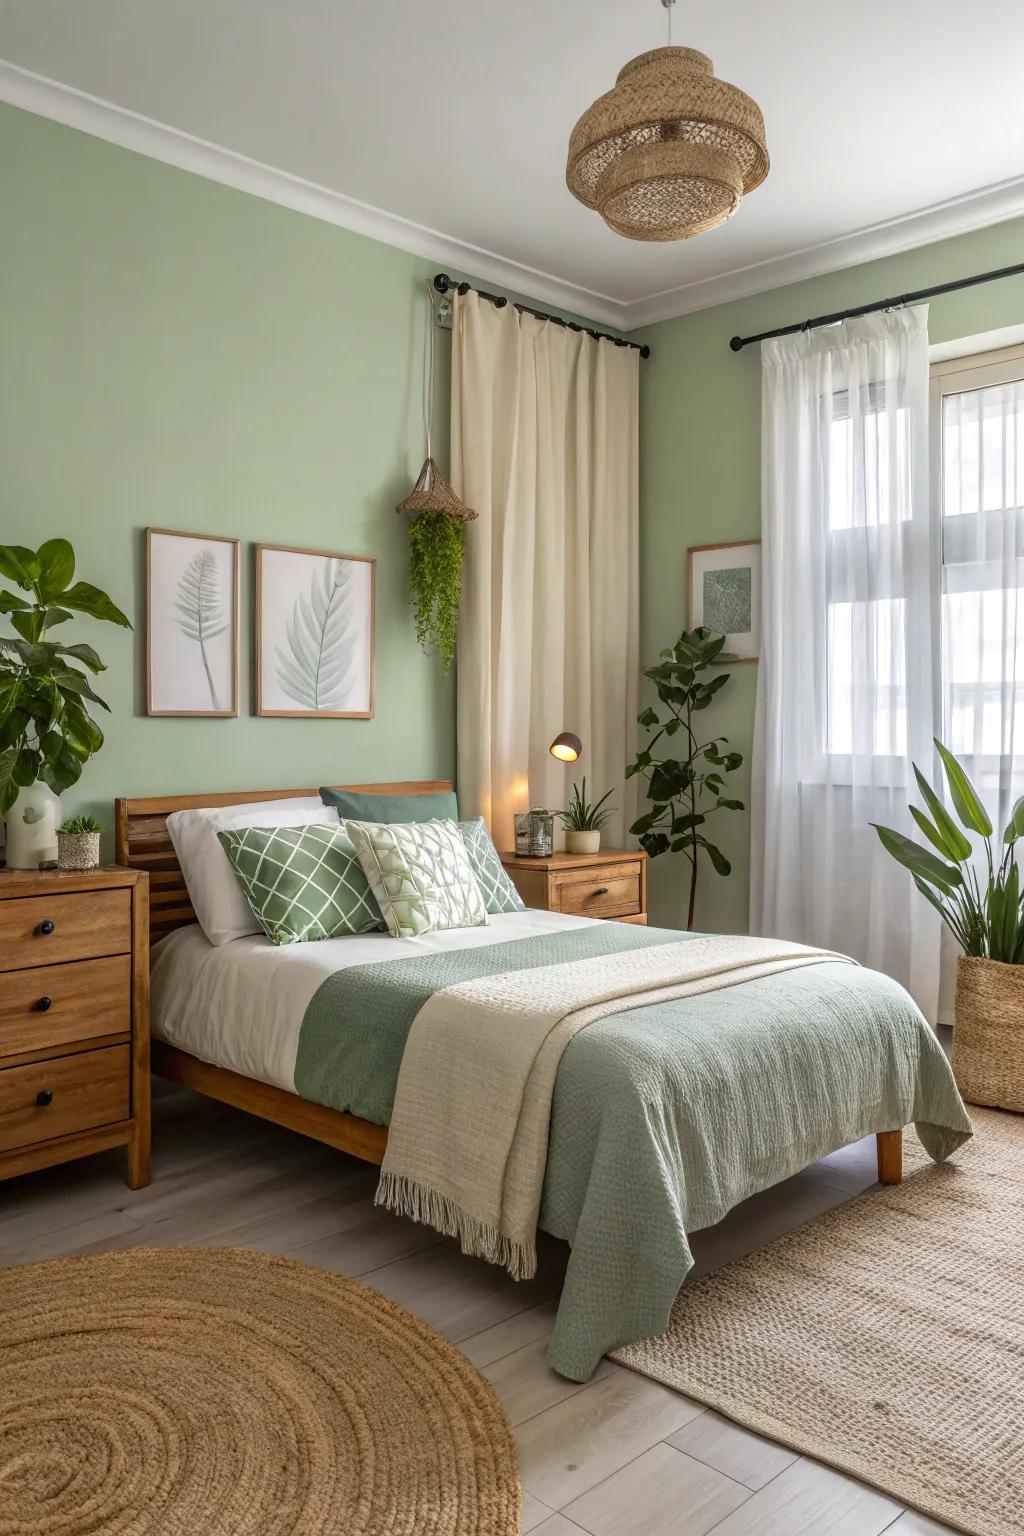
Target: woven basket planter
78 850
988 1040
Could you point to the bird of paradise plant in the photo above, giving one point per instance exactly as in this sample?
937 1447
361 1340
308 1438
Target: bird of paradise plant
986 916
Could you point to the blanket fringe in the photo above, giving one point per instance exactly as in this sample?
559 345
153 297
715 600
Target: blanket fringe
405 1197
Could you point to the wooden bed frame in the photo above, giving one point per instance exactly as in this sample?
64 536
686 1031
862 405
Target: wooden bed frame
142 842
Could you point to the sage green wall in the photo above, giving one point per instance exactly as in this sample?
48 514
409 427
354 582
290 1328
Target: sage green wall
700 422
177 354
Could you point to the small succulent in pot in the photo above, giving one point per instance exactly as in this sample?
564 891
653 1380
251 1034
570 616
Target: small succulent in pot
78 843
584 820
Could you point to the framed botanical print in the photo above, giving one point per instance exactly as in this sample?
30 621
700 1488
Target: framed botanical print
725 594
314 633
191 623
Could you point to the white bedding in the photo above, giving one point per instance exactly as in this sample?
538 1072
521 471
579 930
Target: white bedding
241 1005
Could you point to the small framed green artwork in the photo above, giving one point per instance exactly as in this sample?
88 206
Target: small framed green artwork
725 594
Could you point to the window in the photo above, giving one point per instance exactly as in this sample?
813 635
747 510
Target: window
977 426
869 513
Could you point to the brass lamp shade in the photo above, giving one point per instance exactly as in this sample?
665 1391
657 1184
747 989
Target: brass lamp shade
566 747
671 151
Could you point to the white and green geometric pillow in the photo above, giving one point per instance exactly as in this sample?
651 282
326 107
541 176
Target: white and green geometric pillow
420 874
303 883
497 890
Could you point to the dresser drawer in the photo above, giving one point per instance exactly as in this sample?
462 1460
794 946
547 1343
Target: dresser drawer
67 1094
48 1007
45 930
609 890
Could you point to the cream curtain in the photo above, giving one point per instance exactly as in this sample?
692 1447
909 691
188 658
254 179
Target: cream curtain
544 447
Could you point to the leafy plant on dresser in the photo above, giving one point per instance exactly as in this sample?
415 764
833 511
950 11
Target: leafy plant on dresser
46 730
686 791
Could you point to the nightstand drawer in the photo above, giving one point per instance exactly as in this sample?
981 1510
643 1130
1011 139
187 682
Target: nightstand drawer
603 891
45 930
48 1007
67 1094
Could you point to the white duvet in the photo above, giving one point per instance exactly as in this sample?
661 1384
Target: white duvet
240 1005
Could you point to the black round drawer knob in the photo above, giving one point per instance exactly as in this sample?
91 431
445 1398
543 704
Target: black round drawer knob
43 1003
46 926
44 1097
602 890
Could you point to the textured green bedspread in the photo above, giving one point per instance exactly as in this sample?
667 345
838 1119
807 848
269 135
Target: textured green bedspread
666 1116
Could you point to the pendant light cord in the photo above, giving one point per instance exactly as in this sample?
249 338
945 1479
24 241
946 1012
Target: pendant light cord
669 5
428 368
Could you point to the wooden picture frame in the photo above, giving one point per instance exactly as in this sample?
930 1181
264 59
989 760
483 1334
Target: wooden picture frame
182 663
740 556
293 681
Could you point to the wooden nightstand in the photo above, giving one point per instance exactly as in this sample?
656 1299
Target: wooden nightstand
612 883
74 1018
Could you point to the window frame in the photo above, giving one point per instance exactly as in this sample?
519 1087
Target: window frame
952 376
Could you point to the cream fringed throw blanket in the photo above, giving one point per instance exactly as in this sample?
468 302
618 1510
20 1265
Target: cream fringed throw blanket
467 1145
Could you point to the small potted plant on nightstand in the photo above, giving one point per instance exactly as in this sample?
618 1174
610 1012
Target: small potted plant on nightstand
78 843
583 821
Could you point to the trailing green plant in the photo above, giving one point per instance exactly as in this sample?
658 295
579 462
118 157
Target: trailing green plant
686 790
78 826
46 730
438 543
582 815
986 921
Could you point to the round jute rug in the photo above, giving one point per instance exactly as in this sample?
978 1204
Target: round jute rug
217 1392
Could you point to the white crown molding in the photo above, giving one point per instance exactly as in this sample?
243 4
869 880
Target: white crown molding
942 221
130 130
75 109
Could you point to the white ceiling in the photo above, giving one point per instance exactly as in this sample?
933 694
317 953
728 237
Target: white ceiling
441 125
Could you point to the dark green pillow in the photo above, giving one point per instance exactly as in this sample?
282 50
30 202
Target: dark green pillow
390 809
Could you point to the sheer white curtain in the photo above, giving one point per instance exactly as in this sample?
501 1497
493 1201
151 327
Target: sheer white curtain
848 687
978 480
544 447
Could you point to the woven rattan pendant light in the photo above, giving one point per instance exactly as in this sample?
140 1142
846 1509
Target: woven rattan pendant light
670 152
432 493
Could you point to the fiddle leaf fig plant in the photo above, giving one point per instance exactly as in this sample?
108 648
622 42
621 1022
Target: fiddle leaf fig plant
437 543
688 790
46 729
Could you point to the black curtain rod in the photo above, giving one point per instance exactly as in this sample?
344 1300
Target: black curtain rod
445 284
739 342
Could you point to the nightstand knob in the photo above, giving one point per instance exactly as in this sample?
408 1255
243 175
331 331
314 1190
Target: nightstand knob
602 890
43 1003
44 1097
46 926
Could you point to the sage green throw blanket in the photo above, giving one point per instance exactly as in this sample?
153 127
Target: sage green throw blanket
663 1116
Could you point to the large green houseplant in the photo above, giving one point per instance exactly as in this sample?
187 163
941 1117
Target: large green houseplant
686 791
47 733
985 914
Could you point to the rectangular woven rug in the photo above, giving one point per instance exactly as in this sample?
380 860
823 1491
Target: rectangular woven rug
885 1337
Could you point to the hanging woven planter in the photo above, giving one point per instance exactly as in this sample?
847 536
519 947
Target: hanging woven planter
432 493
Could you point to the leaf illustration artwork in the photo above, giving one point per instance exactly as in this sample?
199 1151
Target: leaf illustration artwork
200 616
318 667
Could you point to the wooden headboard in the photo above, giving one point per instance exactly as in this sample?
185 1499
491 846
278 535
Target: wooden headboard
142 840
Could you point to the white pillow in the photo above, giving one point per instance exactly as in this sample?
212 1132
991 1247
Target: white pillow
221 908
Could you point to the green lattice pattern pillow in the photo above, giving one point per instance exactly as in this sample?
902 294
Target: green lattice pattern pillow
421 875
302 883
497 890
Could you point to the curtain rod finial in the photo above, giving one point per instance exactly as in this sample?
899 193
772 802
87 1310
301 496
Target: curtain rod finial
736 343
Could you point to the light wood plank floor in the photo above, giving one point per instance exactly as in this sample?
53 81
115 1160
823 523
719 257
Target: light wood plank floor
619 1456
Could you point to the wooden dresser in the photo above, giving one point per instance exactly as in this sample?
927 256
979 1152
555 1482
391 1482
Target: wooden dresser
74 1017
611 884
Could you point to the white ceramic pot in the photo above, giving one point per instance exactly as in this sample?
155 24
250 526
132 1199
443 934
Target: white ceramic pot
583 842
32 823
